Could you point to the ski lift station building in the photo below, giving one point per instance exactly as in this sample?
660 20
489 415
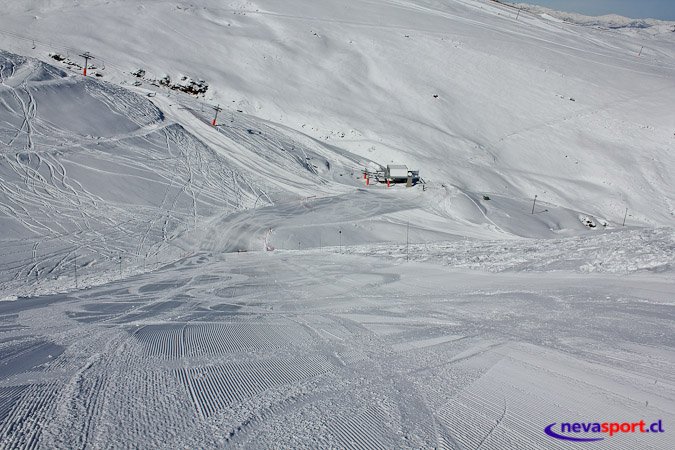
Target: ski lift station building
397 173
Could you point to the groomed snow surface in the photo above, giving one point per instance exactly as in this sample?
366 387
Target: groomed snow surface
169 284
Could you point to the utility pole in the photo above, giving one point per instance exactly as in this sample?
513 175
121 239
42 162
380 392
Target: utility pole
340 233
518 15
215 118
75 261
624 218
641 48
119 258
534 203
87 56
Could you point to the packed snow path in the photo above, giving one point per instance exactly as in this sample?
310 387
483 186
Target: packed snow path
314 349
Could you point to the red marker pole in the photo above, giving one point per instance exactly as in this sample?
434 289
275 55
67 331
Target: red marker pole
87 56
367 181
215 118
388 182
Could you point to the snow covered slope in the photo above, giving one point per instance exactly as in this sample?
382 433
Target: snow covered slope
313 92
523 107
92 171
457 314
321 350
